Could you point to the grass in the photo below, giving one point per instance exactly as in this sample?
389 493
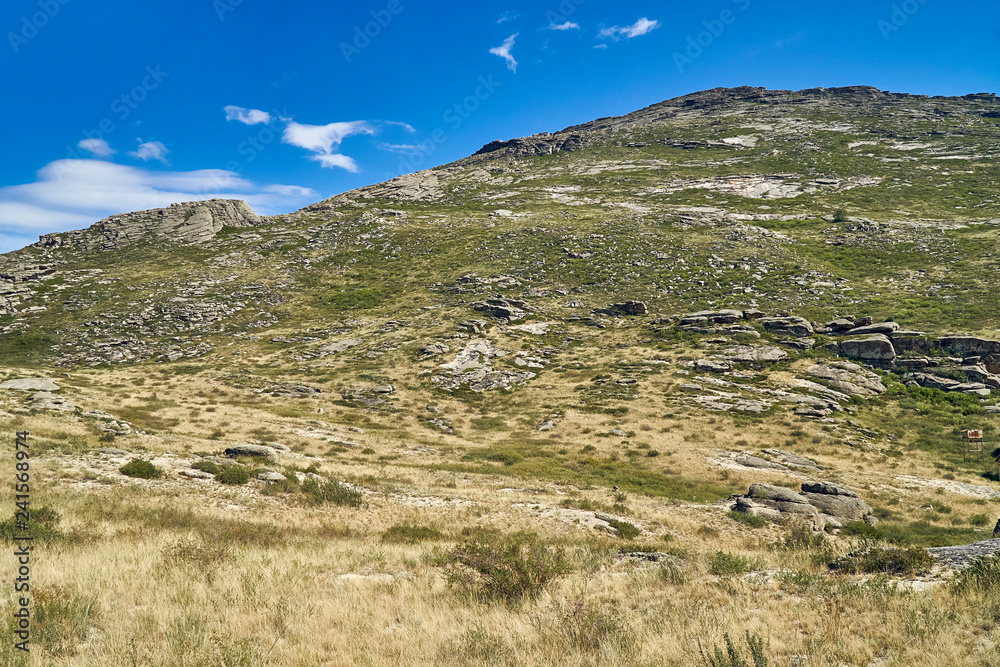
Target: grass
880 560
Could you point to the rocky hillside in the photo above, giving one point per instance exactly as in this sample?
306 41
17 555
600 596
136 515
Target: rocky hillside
737 322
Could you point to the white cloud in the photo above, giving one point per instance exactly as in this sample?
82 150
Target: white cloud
247 116
507 17
504 52
151 150
641 27
96 146
568 25
332 160
72 194
321 139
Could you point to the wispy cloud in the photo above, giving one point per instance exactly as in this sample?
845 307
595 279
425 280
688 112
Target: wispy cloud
568 25
98 147
641 27
507 17
68 194
247 116
405 149
798 37
150 150
504 51
321 140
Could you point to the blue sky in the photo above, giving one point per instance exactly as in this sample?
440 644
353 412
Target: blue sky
113 106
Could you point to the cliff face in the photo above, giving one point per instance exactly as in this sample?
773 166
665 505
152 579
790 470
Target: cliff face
187 223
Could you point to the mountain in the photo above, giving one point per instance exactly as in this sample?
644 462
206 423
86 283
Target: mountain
638 316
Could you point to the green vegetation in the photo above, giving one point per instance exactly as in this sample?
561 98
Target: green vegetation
406 534
874 560
141 469
234 475
509 568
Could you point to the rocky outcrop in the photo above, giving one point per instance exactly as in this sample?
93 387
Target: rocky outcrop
820 504
848 378
187 223
539 144
503 309
798 327
630 308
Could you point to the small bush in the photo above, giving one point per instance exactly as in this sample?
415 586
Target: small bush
141 469
725 564
625 529
405 534
506 569
234 475
874 560
840 215
749 519
979 520
42 523
982 576
207 466
733 655
331 492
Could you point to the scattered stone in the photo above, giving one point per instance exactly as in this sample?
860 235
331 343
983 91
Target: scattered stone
872 348
546 426
295 391
271 477
884 328
964 555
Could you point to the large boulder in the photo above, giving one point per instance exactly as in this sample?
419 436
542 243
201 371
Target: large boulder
798 327
712 317
262 451
873 348
885 328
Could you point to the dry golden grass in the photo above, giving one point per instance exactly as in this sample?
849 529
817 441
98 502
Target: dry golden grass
171 572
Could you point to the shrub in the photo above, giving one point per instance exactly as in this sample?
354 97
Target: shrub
733 656
331 492
405 534
625 529
234 475
41 525
505 569
982 576
141 469
652 453
207 466
725 564
979 520
749 519
873 560
840 215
